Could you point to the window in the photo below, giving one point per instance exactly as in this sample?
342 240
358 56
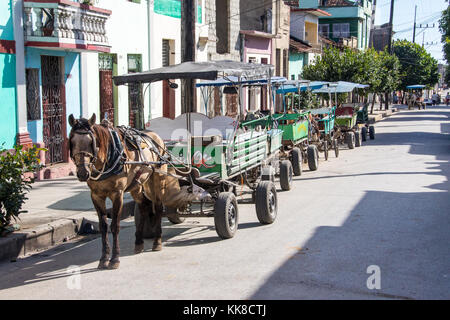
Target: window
324 30
222 26
278 63
341 30
285 63
33 95
165 53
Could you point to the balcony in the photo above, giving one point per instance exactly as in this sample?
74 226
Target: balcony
351 42
65 25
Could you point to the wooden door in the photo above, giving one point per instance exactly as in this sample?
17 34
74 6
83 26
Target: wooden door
168 101
106 87
232 105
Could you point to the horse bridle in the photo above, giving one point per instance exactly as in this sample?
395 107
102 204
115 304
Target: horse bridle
92 156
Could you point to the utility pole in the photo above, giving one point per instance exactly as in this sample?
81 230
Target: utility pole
414 32
188 96
391 26
425 26
372 23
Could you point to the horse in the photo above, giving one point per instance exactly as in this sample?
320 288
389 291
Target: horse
102 159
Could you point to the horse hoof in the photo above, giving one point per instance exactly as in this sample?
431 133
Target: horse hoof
103 264
138 248
114 265
157 247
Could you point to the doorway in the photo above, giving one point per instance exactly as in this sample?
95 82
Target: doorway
54 109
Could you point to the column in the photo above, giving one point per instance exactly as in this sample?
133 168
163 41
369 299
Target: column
23 136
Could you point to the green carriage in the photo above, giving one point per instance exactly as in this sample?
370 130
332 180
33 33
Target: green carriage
296 126
323 134
215 154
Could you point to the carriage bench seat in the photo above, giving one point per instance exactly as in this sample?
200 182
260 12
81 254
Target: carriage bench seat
344 112
217 129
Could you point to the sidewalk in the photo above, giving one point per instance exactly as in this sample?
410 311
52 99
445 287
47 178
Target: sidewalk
57 210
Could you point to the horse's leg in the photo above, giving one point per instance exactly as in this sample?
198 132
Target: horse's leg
100 206
155 222
145 207
117 201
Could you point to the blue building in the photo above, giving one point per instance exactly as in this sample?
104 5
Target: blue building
40 69
8 91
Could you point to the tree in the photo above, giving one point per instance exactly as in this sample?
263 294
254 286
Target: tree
444 27
417 65
388 75
381 71
13 183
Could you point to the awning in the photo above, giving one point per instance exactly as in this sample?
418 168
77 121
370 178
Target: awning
293 86
198 70
233 80
340 87
416 86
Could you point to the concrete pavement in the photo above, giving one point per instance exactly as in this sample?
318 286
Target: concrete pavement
385 204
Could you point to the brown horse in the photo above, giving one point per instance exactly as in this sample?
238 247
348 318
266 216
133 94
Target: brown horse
152 187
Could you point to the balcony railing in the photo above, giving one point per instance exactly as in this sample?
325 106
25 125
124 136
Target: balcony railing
65 22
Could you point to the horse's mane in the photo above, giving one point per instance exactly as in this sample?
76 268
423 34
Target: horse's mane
103 137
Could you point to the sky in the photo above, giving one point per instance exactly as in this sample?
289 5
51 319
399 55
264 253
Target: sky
428 11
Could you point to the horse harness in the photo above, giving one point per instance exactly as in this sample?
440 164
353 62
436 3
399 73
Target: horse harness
116 156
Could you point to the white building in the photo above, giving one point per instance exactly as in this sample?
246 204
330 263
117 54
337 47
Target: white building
143 35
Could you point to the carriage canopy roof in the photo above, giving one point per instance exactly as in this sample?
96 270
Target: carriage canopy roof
231 80
198 70
340 87
293 86
416 86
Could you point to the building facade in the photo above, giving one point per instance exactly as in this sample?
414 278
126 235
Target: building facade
305 43
349 23
8 81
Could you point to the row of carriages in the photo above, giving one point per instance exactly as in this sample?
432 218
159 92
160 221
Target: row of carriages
229 157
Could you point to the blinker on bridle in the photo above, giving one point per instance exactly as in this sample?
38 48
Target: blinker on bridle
84 129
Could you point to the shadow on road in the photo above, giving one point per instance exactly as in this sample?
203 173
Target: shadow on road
405 234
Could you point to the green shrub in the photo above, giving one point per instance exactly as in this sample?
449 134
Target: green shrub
13 183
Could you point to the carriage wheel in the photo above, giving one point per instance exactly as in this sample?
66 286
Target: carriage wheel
266 202
336 147
325 149
350 137
297 161
226 215
286 174
313 158
358 139
372 132
364 133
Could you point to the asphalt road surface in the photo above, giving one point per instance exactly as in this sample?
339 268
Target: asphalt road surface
371 224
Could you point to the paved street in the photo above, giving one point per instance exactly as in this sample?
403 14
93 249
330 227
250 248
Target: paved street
385 204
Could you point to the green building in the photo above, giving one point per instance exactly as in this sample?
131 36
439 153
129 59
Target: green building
349 22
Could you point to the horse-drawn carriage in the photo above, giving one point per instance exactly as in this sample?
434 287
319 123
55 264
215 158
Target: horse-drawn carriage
296 126
174 171
414 98
347 128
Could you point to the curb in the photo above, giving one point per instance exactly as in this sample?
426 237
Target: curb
19 244
373 118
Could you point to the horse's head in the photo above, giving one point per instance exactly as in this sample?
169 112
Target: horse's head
82 146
